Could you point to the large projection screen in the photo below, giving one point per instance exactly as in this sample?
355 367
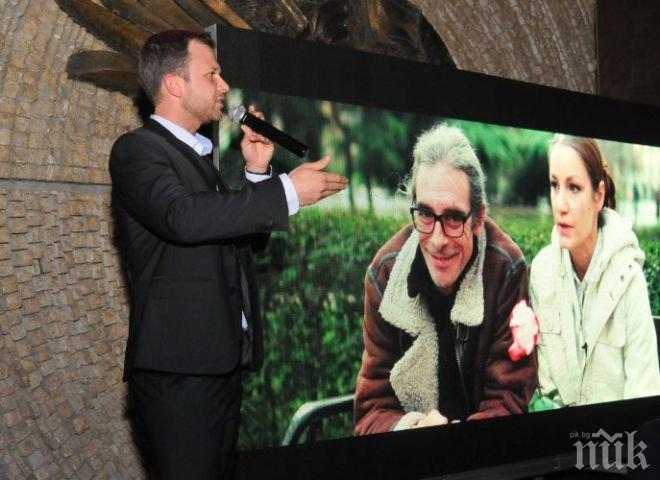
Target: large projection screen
367 111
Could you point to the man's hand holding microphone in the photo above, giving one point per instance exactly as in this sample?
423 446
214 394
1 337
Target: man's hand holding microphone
309 179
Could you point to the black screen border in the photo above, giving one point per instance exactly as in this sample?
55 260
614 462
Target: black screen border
280 65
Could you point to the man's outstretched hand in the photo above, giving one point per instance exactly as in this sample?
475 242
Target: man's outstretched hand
312 183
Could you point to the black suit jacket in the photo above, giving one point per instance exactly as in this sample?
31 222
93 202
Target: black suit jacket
182 234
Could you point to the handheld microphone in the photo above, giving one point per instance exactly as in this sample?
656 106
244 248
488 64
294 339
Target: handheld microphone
241 116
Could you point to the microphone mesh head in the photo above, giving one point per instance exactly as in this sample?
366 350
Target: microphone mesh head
236 113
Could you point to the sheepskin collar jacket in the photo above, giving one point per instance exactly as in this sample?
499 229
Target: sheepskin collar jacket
398 382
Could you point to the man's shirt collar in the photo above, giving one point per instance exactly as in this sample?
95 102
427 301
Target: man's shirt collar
199 143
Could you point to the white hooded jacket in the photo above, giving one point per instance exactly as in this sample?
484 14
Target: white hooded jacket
621 359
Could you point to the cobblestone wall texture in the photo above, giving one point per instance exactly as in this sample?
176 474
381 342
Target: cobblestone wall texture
52 128
549 42
63 331
62 300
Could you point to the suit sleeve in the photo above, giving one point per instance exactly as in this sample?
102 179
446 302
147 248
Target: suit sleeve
377 408
508 385
147 185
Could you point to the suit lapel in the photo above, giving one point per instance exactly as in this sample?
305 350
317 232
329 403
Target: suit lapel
202 165
219 184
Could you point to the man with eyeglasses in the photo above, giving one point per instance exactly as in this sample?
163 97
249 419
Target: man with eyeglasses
438 297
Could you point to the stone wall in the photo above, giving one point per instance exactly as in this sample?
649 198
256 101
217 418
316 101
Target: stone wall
62 301
63 308
549 42
63 334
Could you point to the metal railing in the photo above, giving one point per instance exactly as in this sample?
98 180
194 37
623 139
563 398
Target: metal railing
308 417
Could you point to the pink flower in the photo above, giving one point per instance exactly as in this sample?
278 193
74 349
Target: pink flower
524 329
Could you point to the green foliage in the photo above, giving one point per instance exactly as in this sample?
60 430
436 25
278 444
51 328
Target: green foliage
514 160
530 230
649 241
383 142
312 288
373 147
541 403
652 272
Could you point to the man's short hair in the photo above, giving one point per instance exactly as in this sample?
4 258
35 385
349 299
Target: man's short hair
448 145
163 53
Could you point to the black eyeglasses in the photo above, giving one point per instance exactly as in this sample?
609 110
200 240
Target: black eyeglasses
453 224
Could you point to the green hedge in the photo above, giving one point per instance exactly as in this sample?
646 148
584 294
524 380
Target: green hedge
652 271
312 287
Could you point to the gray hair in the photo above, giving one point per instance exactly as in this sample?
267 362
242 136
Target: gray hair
448 145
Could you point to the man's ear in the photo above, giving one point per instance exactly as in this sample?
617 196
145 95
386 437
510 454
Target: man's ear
172 85
479 219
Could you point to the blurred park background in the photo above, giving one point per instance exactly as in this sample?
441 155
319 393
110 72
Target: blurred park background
312 278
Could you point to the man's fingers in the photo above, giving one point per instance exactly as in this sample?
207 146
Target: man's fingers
335 182
334 186
436 418
313 184
327 193
432 418
336 178
248 132
257 113
331 191
260 139
253 136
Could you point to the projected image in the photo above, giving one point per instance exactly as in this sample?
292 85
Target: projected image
389 306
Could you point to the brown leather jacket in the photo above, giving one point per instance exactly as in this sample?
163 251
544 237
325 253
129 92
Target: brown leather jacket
399 363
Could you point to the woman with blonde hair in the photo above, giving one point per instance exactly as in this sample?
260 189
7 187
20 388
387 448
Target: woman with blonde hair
598 342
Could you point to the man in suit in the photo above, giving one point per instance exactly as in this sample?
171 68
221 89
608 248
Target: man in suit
187 242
